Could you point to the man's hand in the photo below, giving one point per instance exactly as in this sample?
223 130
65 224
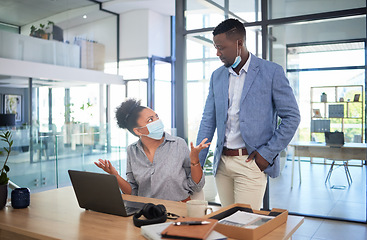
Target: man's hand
259 160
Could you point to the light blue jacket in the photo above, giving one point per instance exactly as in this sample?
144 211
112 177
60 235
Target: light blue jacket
266 95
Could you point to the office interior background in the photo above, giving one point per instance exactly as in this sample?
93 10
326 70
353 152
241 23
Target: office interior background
64 84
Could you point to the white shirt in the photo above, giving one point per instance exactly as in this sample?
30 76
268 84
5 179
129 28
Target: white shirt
233 138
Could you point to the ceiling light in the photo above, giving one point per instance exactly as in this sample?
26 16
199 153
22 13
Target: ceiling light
84 16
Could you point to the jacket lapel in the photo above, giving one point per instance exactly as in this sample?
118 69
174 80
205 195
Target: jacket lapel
250 77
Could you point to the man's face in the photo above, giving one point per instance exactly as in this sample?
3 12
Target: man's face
226 49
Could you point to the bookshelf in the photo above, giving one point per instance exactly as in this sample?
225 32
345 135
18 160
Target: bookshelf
337 108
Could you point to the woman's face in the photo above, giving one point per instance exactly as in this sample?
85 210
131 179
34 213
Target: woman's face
146 116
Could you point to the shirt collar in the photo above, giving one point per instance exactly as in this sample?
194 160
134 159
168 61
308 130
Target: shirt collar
167 138
244 67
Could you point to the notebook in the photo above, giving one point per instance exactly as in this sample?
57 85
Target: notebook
101 193
153 232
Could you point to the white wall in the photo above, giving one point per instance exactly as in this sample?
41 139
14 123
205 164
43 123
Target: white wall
144 33
103 31
159 35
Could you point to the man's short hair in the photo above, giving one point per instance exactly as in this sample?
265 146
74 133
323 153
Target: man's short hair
231 27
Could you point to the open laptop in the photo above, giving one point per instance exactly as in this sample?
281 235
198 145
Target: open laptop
101 193
334 139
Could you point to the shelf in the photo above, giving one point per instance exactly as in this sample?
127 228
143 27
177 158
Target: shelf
343 111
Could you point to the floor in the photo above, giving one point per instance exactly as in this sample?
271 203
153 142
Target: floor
317 229
335 198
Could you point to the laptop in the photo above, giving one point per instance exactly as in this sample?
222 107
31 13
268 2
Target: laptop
101 193
334 139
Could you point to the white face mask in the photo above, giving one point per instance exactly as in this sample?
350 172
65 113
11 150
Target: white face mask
156 129
237 59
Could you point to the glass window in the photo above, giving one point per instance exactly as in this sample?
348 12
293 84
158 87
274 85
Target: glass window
320 60
313 32
162 94
117 96
326 55
284 8
9 28
203 14
245 10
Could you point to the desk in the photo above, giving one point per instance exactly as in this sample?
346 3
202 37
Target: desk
313 149
55 214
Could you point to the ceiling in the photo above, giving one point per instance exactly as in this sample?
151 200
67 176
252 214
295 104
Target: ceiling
23 12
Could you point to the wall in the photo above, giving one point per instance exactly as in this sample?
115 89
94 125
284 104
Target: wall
159 35
102 31
144 33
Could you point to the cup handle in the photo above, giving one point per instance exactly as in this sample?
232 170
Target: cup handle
206 210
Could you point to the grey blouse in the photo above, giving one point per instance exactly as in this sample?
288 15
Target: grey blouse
168 177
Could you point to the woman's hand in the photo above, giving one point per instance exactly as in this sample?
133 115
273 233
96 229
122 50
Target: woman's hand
106 166
196 150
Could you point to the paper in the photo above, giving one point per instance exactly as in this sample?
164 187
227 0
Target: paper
245 219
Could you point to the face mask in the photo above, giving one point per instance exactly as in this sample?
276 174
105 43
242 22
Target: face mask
156 129
237 60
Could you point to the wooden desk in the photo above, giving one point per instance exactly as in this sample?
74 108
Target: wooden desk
313 149
55 214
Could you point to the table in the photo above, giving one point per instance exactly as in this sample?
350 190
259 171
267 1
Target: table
55 214
314 149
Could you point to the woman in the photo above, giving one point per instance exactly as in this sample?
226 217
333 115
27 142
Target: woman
158 164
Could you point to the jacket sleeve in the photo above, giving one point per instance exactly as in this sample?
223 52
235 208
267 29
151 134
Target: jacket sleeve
287 109
208 122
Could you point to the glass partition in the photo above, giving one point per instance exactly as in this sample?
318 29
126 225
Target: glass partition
327 73
284 8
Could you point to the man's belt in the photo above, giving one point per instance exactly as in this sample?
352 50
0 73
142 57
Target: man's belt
234 152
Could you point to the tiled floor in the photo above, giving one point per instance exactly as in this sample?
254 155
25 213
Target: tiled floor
317 229
314 196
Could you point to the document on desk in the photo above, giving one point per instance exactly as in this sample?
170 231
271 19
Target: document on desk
245 220
153 232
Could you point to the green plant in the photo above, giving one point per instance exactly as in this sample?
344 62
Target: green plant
41 30
6 137
208 165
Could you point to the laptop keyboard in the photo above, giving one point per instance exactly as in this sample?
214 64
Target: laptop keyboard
132 207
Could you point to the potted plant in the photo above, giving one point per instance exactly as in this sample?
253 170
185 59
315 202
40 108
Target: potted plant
210 188
4 180
44 31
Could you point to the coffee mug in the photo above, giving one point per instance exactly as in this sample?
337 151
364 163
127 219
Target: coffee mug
197 208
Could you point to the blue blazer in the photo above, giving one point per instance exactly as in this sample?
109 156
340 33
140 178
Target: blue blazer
266 95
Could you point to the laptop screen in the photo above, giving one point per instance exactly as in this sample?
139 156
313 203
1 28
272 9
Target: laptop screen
334 138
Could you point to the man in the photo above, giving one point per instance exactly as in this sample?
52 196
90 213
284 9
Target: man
245 98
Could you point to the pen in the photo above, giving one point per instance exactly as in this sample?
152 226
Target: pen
191 223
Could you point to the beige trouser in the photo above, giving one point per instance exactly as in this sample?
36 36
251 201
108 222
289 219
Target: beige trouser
239 181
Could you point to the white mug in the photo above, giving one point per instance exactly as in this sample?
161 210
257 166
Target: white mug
197 208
